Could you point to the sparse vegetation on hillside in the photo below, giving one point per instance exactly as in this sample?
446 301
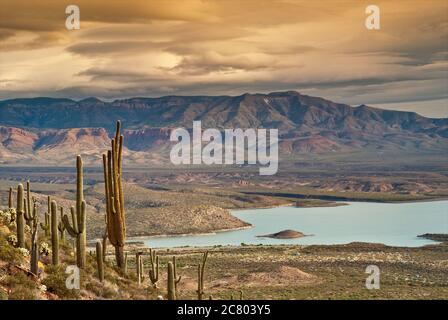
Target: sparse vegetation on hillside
34 255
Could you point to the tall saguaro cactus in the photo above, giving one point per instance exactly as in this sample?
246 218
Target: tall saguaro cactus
54 233
47 225
176 278
125 269
61 226
30 211
116 225
10 198
27 206
154 271
201 268
20 221
170 284
139 267
99 261
34 262
78 228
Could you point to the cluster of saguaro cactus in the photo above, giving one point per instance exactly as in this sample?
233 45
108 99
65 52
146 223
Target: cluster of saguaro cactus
54 233
47 225
116 226
201 268
20 220
171 287
99 260
61 226
78 228
154 271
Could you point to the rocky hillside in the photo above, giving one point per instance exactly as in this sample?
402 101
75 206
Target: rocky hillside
46 129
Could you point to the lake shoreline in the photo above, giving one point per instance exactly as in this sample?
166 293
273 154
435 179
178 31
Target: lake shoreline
213 232
255 223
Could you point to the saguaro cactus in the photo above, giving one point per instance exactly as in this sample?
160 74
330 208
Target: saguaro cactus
125 269
34 263
116 225
30 211
78 231
27 206
201 268
154 271
170 284
47 226
78 228
176 278
99 260
139 267
61 226
54 233
105 239
20 223
10 198
35 214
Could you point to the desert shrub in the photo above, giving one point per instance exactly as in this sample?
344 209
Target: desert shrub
22 287
45 249
12 239
3 295
103 290
55 282
7 215
24 252
8 252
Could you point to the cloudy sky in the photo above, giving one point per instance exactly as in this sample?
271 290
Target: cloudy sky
193 47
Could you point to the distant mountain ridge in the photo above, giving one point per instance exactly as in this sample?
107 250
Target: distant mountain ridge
46 128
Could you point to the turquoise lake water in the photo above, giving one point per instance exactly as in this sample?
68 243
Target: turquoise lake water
390 224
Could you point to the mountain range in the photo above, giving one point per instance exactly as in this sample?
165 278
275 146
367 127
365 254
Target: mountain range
52 130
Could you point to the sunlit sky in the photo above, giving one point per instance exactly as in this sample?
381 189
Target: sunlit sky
191 47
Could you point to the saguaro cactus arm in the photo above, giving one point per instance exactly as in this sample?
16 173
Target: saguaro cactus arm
71 229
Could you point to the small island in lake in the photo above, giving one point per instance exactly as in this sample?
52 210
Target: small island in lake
285 234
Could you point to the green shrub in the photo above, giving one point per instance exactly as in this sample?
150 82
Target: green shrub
22 287
3 295
8 252
55 282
